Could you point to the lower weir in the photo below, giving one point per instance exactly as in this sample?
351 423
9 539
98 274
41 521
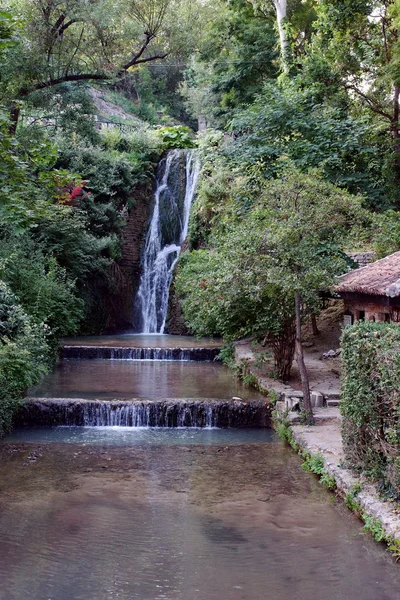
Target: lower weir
144 413
115 353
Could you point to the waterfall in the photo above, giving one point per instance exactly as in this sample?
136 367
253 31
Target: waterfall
167 232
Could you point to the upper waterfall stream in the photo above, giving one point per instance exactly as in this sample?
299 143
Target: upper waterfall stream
176 183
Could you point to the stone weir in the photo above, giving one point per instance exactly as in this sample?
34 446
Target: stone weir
113 353
144 413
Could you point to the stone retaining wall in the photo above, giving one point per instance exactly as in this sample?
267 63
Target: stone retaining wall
325 439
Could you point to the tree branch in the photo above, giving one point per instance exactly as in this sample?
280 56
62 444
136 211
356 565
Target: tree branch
149 58
139 53
396 109
370 102
25 91
61 30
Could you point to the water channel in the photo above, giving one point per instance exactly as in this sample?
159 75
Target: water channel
216 511
176 515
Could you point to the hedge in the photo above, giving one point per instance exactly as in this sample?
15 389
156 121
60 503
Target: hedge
370 402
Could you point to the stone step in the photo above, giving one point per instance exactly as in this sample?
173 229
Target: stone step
331 402
141 412
293 398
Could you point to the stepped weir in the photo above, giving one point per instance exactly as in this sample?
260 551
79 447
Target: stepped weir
148 379
145 413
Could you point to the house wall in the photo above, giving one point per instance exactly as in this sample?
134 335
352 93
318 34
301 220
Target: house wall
372 311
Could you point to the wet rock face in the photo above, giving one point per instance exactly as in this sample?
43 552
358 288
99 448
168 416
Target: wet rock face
103 352
144 413
175 323
120 304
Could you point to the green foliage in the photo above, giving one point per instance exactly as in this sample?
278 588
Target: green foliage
227 356
268 244
250 380
273 397
385 229
314 464
352 504
238 52
283 429
374 527
179 136
292 122
41 285
68 111
370 402
6 32
28 186
24 354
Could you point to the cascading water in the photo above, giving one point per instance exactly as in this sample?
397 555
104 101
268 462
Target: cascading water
111 353
175 189
144 413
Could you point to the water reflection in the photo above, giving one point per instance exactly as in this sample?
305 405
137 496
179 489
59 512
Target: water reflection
141 379
231 522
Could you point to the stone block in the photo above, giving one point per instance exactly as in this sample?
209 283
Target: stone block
294 393
292 403
332 402
317 400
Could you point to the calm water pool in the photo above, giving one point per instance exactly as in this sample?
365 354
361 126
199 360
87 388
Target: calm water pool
173 520
140 436
141 379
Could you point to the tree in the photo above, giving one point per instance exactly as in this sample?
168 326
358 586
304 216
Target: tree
295 121
294 23
225 293
266 272
237 52
307 223
356 45
71 40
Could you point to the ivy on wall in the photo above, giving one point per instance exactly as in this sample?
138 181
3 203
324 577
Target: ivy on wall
370 402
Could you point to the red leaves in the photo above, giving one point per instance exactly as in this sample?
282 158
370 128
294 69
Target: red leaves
72 193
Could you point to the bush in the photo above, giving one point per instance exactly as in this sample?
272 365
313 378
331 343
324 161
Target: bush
24 355
176 137
41 286
370 402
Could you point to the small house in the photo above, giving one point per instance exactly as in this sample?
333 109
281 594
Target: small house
372 293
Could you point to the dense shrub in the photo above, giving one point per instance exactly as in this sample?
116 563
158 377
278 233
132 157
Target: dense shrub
371 401
41 286
24 354
177 136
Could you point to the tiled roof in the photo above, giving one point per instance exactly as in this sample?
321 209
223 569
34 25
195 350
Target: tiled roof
380 278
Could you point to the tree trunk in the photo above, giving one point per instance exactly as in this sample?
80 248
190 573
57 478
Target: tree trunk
281 12
202 123
14 117
314 325
308 413
396 132
283 346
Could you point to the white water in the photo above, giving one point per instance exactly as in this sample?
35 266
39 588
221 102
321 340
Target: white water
167 232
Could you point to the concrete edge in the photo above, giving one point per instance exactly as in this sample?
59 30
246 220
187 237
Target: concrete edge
346 482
